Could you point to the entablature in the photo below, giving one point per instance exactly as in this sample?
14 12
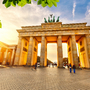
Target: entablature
54 29
55 33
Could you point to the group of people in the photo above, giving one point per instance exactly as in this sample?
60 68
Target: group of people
53 64
69 66
74 67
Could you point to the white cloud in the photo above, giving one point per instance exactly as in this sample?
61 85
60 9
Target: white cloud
73 11
13 18
87 14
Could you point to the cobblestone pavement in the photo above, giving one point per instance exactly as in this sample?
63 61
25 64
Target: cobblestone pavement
24 78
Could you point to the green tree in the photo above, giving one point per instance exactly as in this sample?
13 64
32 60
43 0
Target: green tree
0 24
21 3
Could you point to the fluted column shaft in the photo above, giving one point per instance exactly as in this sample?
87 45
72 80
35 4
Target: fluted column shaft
0 55
12 57
74 51
43 57
5 57
18 51
59 52
88 47
30 52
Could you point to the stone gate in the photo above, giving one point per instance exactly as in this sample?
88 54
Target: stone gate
55 32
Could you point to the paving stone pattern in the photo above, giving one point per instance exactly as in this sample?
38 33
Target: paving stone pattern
24 78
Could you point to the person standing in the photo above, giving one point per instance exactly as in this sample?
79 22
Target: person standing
49 65
53 65
70 68
74 67
35 66
79 65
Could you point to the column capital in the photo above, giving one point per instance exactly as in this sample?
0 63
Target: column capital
72 35
42 37
87 35
20 37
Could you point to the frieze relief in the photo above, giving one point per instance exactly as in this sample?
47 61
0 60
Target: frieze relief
76 32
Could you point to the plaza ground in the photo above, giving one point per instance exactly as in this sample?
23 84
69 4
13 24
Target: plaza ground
24 78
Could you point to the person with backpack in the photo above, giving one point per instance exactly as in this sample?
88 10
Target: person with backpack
74 67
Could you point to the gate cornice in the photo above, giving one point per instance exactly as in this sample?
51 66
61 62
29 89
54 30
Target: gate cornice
53 29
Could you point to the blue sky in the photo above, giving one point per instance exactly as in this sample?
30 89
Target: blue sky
70 11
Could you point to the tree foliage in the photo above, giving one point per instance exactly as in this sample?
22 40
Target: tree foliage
0 24
21 3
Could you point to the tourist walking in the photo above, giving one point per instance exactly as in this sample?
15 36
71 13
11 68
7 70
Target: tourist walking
70 68
53 65
49 65
35 66
74 68
79 65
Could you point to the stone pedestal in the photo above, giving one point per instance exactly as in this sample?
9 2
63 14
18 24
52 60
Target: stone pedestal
43 57
74 51
59 52
18 52
88 47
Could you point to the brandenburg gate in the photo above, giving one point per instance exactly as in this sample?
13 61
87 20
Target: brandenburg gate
54 32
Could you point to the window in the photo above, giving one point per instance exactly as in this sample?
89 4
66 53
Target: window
25 43
68 43
80 43
35 43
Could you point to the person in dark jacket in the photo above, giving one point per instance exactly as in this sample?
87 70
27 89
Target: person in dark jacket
74 67
35 66
70 68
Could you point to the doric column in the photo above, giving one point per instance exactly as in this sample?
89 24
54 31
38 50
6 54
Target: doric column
5 57
88 47
0 54
74 51
30 52
18 51
45 61
12 57
69 49
43 57
59 52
